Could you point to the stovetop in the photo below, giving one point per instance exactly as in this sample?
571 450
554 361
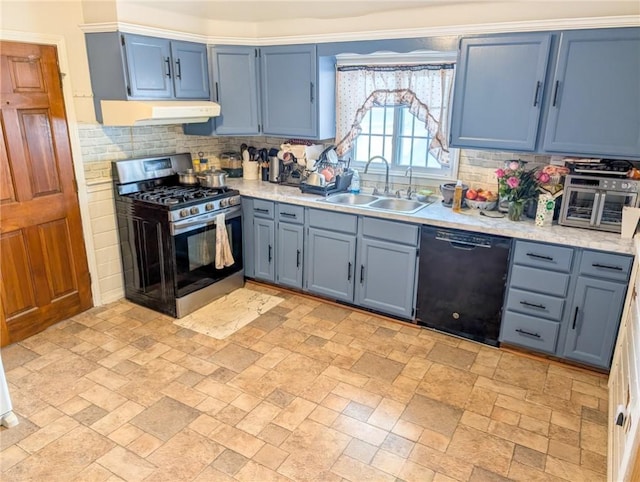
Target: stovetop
176 197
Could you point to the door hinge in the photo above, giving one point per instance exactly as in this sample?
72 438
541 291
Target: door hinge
122 39
413 312
90 278
129 91
75 185
257 53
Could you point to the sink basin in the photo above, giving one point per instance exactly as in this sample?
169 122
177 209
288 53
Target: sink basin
398 205
350 198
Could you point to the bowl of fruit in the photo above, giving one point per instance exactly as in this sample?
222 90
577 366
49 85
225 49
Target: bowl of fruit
481 199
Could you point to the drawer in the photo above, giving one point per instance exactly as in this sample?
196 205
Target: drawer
529 331
390 230
535 304
347 223
547 282
263 209
289 213
556 258
606 265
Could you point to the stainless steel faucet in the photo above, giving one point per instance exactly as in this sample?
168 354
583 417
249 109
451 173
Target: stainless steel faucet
409 172
386 177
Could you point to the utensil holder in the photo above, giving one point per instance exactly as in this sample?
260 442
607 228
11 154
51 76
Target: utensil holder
250 170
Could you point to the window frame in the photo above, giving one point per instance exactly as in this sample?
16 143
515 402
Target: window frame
395 169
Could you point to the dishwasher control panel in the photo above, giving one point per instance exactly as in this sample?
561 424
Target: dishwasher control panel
471 239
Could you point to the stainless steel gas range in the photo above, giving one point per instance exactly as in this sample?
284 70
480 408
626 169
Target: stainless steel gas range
168 233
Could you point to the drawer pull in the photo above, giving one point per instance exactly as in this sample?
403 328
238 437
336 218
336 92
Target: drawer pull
533 305
261 210
527 333
288 215
540 256
575 318
604 266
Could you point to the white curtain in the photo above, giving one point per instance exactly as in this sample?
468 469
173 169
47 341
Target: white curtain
426 89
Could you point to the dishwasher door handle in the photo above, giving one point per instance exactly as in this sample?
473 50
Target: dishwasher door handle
463 246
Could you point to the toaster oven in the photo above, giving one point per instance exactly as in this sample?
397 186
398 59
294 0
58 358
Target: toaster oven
595 202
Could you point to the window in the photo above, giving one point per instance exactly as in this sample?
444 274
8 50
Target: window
397 111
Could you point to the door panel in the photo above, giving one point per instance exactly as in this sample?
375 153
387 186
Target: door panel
45 277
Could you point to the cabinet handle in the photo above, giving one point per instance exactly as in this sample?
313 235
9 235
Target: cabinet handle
349 271
527 333
297 258
604 266
575 318
539 256
217 93
535 96
179 74
361 273
288 215
533 305
555 93
311 92
168 62
261 210
270 254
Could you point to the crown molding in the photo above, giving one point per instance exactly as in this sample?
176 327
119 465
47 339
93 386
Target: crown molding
456 30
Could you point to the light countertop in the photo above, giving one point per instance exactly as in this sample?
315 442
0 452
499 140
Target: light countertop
437 215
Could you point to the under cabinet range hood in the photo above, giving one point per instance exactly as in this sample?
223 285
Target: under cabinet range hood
155 112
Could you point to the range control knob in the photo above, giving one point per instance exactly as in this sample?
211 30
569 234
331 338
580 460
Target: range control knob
184 213
209 207
194 210
233 201
224 203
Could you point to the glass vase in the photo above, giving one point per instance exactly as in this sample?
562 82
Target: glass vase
515 210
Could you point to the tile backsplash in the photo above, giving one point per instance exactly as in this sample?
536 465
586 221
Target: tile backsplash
101 145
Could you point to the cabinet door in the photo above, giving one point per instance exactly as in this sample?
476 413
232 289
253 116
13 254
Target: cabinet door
190 70
149 67
595 99
329 264
264 245
289 86
289 255
386 277
594 320
498 91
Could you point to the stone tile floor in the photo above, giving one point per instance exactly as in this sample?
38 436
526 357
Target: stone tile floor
308 391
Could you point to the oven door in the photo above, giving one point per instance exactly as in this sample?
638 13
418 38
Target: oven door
195 251
580 207
609 215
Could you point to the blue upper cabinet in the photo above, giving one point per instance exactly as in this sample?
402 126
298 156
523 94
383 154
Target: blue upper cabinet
298 92
234 74
595 94
125 66
190 70
148 61
498 91
586 102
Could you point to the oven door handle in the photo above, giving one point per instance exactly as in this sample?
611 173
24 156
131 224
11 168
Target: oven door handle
596 212
182 227
600 211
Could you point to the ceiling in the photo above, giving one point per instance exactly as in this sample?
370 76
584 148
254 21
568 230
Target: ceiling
267 10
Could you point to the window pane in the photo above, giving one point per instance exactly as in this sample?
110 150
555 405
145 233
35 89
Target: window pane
389 120
407 122
362 148
376 145
420 130
377 120
366 123
405 152
388 149
419 152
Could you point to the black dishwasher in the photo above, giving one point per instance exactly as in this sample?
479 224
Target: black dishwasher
461 282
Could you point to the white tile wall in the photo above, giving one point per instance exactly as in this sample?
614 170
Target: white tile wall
100 145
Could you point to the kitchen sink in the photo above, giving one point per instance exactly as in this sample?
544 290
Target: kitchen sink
352 199
405 206
400 205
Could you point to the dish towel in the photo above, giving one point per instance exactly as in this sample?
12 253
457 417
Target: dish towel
223 249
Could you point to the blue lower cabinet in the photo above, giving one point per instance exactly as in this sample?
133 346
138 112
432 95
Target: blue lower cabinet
594 321
289 254
264 249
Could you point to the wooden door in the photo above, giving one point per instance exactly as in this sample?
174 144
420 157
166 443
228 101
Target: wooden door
43 263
